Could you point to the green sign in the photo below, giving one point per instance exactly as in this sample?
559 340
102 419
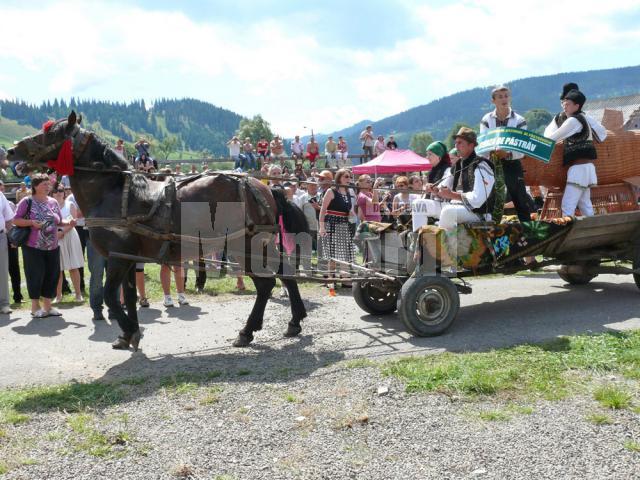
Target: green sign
516 140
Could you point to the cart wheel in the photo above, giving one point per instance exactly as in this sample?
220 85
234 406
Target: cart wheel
578 278
428 305
373 299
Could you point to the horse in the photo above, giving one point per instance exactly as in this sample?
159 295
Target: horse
132 215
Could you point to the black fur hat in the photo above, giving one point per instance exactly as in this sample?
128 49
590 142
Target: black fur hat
576 96
567 87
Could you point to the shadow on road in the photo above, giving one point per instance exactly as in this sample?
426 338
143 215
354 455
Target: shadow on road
46 327
593 308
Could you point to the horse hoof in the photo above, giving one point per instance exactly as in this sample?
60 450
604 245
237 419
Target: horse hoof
293 331
135 340
243 340
121 343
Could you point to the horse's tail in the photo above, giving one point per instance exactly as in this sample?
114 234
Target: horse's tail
292 216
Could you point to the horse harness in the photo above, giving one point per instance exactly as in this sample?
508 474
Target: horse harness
166 201
78 136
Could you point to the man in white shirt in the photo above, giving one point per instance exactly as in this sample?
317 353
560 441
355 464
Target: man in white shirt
234 151
5 223
596 127
470 188
504 116
297 149
573 127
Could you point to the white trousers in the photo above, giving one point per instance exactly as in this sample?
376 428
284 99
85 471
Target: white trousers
455 213
577 193
575 196
424 208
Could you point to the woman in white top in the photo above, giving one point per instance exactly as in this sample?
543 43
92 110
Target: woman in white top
440 174
71 258
401 206
577 131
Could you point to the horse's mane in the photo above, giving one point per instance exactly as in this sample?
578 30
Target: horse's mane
112 160
109 156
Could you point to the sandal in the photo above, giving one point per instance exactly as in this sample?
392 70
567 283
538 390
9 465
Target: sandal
144 302
39 314
53 312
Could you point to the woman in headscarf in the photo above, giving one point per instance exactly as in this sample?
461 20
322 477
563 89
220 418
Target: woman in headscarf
431 205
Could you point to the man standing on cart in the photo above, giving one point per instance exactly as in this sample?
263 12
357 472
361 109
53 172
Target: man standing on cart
470 188
505 116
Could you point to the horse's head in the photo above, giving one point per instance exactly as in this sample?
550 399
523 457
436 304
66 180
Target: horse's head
34 152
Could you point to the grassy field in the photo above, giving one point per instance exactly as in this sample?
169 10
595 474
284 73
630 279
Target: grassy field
11 131
552 370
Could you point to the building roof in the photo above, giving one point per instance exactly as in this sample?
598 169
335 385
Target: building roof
627 105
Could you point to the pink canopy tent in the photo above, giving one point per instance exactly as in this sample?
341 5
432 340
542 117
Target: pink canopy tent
394 161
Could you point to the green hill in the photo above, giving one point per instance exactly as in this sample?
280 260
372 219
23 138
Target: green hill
10 131
198 125
468 107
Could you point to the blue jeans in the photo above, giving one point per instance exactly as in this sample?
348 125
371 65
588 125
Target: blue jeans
248 161
97 266
237 162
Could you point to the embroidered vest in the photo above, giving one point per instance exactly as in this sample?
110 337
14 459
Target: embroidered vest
464 179
579 146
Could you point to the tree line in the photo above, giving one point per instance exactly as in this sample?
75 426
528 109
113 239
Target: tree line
196 125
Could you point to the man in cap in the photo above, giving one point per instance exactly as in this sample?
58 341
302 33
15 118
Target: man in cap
575 130
504 116
600 133
470 188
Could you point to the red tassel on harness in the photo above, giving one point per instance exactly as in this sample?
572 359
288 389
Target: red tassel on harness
47 125
63 165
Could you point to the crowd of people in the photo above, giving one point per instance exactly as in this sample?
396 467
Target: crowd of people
247 157
460 187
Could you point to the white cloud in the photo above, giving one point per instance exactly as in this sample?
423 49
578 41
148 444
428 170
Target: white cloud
119 52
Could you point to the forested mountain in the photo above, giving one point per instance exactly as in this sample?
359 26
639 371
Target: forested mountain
468 107
197 125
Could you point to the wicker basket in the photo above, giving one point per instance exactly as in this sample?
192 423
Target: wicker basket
619 197
618 158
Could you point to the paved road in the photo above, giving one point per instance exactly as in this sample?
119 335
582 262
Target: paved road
500 312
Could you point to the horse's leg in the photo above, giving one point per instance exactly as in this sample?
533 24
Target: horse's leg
130 299
298 310
117 272
264 285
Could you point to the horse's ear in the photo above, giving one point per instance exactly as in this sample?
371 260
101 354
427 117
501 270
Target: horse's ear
79 119
71 120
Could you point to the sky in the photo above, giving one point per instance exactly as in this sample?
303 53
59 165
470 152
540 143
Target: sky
303 65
